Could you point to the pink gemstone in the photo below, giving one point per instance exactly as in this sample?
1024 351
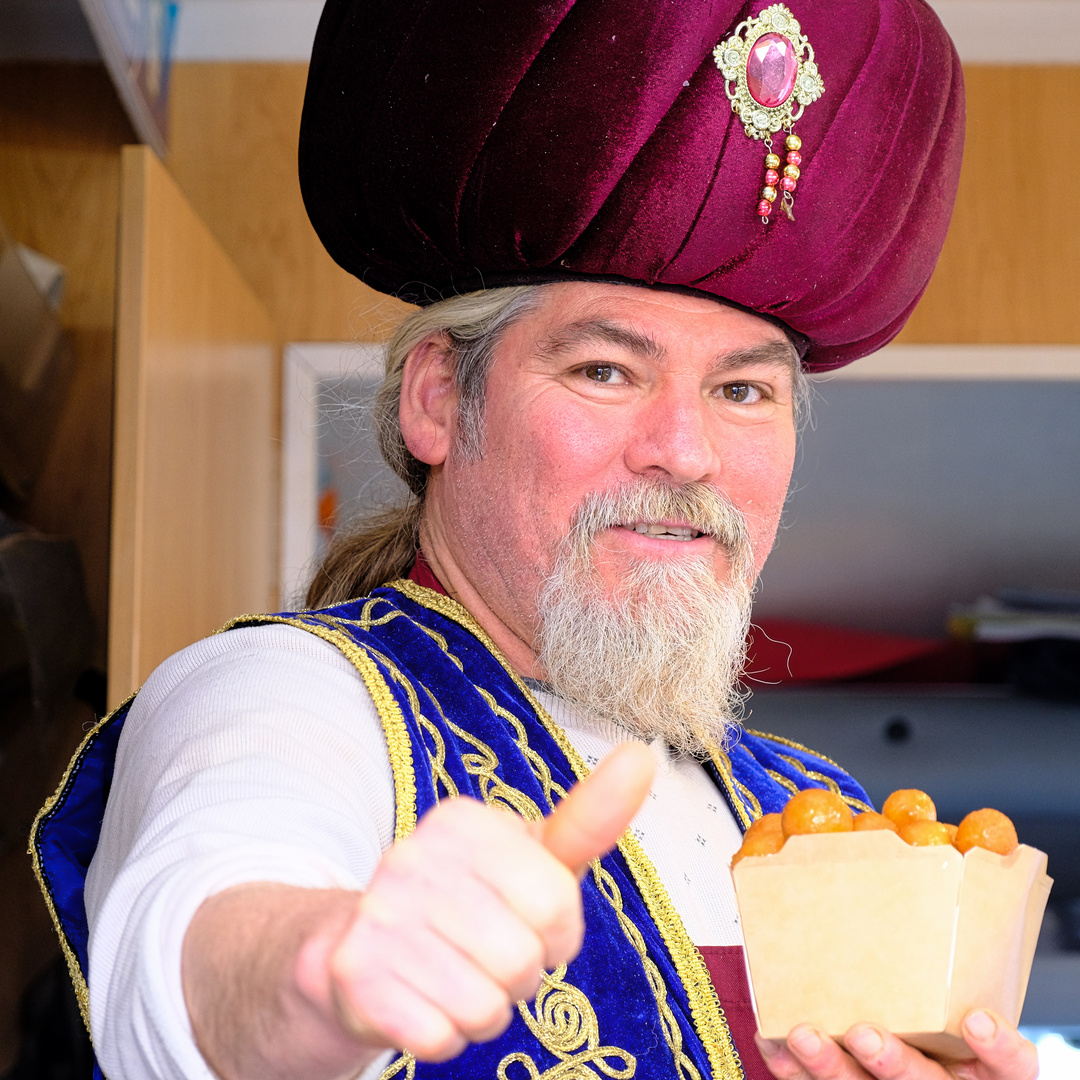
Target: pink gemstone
771 69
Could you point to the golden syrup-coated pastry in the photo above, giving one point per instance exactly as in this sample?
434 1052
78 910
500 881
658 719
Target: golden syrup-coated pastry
815 811
763 842
986 828
909 804
925 833
871 820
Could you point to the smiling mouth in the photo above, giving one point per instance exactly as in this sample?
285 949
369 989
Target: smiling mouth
664 532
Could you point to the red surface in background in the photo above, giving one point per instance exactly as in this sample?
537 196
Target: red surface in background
788 651
785 650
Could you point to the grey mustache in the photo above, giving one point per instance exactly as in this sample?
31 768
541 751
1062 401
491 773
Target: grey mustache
700 506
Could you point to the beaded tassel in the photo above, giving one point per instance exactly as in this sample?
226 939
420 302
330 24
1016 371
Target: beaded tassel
777 182
772 179
790 179
770 76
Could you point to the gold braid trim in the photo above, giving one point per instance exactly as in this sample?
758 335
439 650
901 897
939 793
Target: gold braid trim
405 1063
821 778
705 1009
739 795
783 781
794 746
78 978
393 723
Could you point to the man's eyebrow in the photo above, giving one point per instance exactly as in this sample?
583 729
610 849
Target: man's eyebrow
770 354
602 332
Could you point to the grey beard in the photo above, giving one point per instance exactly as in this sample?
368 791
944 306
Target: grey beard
663 656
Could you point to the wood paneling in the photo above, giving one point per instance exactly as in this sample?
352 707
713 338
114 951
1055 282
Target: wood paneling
1010 271
1008 274
233 137
195 479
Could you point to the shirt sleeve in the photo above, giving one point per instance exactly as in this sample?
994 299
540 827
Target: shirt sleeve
255 755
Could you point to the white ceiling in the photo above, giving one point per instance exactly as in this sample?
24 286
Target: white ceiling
985 31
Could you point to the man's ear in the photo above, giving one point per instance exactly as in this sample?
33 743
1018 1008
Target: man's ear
429 401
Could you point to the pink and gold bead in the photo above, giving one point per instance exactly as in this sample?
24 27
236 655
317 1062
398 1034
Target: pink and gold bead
772 177
794 158
772 161
791 171
764 208
769 193
793 142
788 184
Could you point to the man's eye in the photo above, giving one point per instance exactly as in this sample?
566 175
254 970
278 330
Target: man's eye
741 392
602 373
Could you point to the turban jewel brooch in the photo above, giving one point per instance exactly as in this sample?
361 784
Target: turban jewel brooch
770 76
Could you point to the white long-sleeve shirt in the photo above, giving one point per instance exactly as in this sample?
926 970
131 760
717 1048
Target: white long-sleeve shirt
257 755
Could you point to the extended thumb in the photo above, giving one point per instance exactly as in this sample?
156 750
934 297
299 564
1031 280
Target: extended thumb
596 811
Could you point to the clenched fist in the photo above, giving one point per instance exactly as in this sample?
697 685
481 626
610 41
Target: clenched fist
457 924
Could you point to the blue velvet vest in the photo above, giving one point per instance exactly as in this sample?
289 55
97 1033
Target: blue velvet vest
637 1001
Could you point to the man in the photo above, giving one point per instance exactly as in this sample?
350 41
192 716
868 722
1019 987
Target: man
287 882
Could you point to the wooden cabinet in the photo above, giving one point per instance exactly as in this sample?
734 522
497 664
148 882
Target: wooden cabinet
195 464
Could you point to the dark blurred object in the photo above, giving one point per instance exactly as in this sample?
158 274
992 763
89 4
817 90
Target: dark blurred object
1068 913
1041 630
55 1044
1047 668
90 689
36 362
46 635
45 623
1063 601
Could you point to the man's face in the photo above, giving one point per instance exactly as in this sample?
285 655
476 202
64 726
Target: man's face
600 386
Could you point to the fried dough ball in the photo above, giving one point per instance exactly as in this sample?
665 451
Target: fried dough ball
909 804
925 833
871 820
952 832
765 823
815 811
763 842
986 828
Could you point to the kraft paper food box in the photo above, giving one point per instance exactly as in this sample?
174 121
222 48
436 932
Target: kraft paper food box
846 927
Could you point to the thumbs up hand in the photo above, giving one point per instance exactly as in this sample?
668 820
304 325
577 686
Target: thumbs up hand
460 918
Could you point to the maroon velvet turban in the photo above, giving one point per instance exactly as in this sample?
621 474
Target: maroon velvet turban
448 146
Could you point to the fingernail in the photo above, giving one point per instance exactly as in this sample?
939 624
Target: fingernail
980 1025
866 1042
768 1048
805 1040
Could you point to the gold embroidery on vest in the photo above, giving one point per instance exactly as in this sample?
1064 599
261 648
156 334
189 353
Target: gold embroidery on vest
783 781
828 781
406 1062
705 1009
563 1021
670 1026
558 1001
538 765
742 798
437 759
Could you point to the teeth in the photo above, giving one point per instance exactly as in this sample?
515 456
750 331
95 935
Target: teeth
666 532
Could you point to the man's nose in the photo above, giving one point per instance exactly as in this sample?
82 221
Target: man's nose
672 437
